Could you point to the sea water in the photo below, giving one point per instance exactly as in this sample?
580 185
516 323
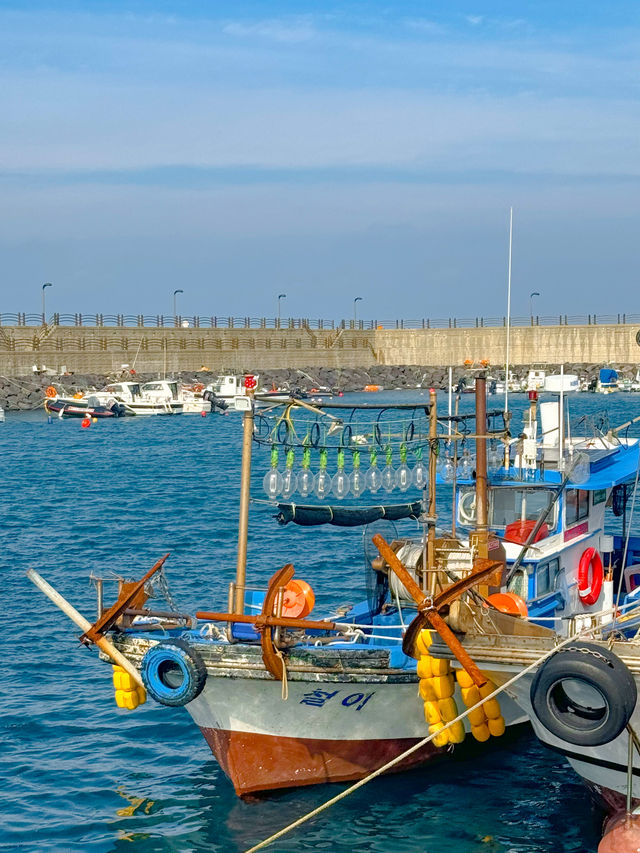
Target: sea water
82 775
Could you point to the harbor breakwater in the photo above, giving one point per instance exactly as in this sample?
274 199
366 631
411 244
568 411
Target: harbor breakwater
102 350
27 393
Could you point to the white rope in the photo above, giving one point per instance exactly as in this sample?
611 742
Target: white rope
411 749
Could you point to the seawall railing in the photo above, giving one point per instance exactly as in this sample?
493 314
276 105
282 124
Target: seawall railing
202 322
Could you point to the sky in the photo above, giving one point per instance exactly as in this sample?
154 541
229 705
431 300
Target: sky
238 150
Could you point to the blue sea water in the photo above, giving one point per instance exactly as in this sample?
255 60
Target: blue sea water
82 775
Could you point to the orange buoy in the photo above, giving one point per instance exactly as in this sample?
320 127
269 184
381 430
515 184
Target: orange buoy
622 835
509 602
371 387
86 422
51 391
298 599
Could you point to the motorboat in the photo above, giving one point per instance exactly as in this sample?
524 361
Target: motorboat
82 406
159 397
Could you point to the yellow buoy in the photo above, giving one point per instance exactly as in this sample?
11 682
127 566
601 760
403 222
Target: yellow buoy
427 693
496 727
423 642
456 732
470 695
463 678
424 667
441 739
477 717
443 686
487 689
448 709
492 709
440 666
481 733
432 713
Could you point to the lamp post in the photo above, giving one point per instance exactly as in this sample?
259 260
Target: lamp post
280 296
531 295
175 313
44 312
355 309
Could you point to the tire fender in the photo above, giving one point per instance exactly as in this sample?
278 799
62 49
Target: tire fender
584 695
173 672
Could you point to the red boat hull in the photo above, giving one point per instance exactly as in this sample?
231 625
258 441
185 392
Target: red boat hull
258 762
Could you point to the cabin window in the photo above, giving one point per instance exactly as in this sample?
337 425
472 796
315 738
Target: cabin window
153 386
599 496
518 584
546 577
576 506
507 505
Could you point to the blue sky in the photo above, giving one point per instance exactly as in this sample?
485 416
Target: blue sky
241 150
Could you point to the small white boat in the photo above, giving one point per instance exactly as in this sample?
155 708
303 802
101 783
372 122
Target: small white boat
153 398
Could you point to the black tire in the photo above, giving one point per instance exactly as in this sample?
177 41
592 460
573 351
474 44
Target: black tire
173 672
584 695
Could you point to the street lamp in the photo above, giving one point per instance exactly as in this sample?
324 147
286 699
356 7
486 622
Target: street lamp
280 296
531 295
44 313
355 309
175 313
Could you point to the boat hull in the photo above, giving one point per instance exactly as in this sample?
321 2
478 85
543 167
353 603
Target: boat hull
260 762
343 713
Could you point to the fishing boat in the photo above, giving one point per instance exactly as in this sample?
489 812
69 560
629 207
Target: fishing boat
285 697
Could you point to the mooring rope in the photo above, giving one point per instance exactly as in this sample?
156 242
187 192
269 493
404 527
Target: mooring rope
413 748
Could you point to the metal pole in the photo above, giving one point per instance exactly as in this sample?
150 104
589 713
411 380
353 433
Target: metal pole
433 461
44 313
280 296
481 454
175 313
355 305
245 494
450 398
506 369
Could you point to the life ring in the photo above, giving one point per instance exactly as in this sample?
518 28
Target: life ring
51 391
173 672
197 387
298 599
467 508
589 590
584 695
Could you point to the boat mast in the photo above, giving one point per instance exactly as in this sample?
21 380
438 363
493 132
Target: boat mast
431 510
245 494
506 370
480 536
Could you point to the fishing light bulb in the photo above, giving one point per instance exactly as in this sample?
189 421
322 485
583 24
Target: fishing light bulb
403 473
306 479
389 475
356 478
323 478
289 478
495 458
448 470
373 477
340 484
465 468
272 482
419 475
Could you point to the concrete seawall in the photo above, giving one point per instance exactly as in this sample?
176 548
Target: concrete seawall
89 349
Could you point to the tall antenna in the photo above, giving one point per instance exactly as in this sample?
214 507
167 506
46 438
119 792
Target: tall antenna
506 369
